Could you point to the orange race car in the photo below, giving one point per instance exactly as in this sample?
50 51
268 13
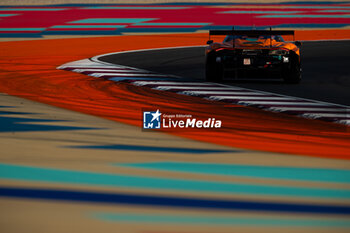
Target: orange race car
253 54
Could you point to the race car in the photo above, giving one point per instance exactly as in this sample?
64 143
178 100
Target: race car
253 54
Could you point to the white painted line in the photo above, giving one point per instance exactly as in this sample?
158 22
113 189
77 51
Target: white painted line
263 102
298 98
227 92
324 109
105 70
331 115
117 71
195 88
263 98
81 62
345 122
87 63
117 79
144 83
91 67
126 75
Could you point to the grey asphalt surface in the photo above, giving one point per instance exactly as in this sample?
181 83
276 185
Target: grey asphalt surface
325 65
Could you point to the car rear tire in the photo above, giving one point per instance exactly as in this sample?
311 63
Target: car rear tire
293 75
213 69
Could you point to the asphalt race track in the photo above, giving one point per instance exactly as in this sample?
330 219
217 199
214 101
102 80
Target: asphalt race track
325 66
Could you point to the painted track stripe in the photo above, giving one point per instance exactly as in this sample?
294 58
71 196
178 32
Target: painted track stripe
332 115
145 83
345 122
117 79
116 72
128 75
166 202
195 88
104 70
183 220
248 98
87 67
268 103
301 109
242 170
63 176
230 92
112 72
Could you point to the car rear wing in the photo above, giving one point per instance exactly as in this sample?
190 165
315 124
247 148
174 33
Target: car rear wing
251 33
